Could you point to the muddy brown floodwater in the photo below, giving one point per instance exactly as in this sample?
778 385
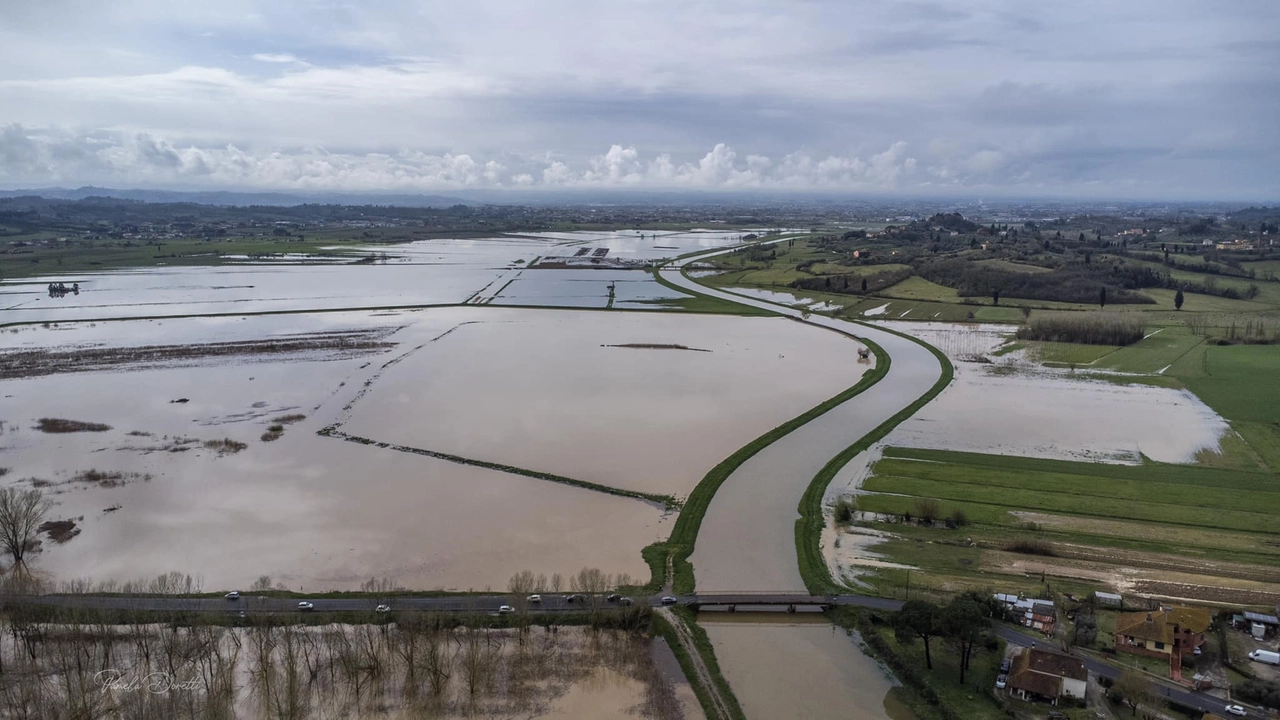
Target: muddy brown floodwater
316 513
788 667
611 398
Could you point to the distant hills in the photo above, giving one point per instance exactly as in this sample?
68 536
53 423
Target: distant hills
237 199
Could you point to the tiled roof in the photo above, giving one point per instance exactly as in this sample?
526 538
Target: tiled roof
1158 626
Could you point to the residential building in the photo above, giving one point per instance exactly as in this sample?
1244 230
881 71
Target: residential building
1038 674
1167 633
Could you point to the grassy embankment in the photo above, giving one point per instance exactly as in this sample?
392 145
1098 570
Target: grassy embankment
813 565
684 534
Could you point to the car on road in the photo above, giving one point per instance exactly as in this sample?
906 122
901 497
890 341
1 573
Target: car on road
382 609
535 599
1236 710
1001 681
505 609
233 595
576 597
305 606
613 597
668 600
626 601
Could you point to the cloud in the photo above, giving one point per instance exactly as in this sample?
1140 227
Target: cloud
878 94
278 58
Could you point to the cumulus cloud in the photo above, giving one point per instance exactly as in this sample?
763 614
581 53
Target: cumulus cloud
278 58
51 155
973 94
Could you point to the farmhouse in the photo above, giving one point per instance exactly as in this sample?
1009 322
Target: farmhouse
1167 633
1037 674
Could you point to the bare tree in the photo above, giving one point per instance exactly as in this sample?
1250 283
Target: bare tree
21 512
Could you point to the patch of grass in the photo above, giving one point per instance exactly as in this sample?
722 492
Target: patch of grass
1061 353
1264 439
917 288
1241 382
1233 508
289 419
273 433
60 425
702 644
1153 353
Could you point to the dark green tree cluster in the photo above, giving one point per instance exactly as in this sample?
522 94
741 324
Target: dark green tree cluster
964 623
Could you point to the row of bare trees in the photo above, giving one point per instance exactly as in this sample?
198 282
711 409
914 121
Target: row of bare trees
426 664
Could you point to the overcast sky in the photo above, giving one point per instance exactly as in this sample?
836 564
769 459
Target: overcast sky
1175 99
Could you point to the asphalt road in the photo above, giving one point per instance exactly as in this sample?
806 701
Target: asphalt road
558 603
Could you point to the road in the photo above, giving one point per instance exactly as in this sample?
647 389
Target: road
747 539
1190 698
489 604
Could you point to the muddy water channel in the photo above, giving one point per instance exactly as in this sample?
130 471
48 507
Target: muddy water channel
747 539
414 667
796 668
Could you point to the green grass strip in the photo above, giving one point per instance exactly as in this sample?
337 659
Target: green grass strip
813 566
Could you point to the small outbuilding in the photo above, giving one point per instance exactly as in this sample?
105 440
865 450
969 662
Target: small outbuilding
1106 599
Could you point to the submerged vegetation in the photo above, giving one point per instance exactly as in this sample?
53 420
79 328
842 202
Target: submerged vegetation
60 425
1089 329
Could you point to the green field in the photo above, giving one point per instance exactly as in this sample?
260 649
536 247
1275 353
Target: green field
1213 521
1241 382
1159 350
917 288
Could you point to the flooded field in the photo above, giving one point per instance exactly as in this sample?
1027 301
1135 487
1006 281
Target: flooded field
425 272
648 244
642 401
588 395
586 288
413 668
431 272
1037 412
800 669
785 298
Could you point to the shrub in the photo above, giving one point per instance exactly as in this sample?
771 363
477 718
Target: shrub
927 510
1031 546
59 425
289 419
845 508
225 446
958 518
